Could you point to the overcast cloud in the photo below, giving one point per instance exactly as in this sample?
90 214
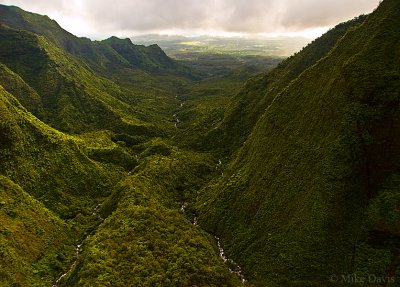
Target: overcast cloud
102 18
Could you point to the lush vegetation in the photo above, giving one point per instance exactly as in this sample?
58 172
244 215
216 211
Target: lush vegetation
120 165
28 230
304 198
258 93
86 123
147 240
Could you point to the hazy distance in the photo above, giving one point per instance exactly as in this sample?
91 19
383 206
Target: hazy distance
246 18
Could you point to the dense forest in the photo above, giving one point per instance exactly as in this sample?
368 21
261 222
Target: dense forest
120 166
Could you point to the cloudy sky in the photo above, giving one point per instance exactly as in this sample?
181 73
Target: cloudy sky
99 19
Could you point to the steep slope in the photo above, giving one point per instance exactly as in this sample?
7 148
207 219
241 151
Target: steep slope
147 58
47 164
313 194
27 232
73 98
249 104
48 188
148 240
16 86
99 55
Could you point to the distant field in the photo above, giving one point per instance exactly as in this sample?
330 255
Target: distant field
220 56
184 48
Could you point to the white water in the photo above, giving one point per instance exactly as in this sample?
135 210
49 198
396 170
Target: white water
218 165
176 120
184 206
233 267
95 213
78 249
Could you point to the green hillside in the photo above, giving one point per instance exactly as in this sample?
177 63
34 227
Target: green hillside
73 98
99 54
48 185
313 193
167 250
250 102
63 178
71 137
120 166
48 164
28 231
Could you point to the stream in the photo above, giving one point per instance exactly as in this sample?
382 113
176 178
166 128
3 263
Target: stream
234 268
175 118
78 249
219 166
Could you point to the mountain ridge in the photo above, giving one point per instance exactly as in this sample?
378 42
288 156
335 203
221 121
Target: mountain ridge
306 191
248 105
70 142
84 48
147 177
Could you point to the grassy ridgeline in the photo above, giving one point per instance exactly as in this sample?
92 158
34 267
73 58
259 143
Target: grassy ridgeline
72 98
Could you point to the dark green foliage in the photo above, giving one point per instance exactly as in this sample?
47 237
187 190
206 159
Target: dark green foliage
99 55
117 155
27 231
156 147
259 92
16 86
304 197
312 189
128 140
148 58
146 240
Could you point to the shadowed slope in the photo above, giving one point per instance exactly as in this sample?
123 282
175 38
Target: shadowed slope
249 104
314 189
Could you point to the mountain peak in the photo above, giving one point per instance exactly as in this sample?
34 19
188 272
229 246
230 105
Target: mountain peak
114 39
97 54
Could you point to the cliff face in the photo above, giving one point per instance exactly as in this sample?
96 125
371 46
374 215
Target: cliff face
314 189
245 109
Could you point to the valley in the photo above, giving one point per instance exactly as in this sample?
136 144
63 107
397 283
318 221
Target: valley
122 164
